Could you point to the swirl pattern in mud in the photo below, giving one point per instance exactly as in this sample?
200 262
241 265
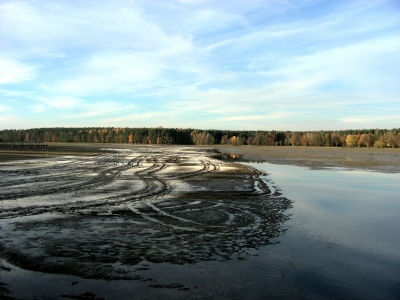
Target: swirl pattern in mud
111 216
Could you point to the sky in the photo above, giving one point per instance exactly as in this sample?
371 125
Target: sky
240 65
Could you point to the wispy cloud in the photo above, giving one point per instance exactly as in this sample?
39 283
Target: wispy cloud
61 103
371 119
12 71
14 93
206 63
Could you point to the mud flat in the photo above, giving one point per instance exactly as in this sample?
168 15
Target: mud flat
117 213
373 159
158 222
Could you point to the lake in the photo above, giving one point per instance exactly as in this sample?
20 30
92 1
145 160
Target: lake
342 241
343 238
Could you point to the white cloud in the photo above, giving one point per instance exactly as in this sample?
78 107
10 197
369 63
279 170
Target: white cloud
60 102
12 71
115 72
11 93
371 119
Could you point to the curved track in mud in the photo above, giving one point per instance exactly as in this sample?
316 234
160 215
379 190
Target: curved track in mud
106 216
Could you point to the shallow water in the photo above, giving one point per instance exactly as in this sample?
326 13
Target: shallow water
342 242
343 237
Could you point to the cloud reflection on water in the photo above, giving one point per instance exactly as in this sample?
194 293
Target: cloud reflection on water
353 213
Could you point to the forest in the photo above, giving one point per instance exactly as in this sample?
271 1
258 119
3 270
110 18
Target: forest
379 138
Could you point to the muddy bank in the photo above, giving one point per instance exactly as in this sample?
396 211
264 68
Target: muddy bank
380 160
111 214
57 150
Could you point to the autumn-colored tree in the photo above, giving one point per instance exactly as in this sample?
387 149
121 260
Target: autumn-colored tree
397 140
235 141
271 139
379 144
304 140
312 138
257 140
327 142
366 140
335 138
307 139
318 139
295 139
209 139
389 139
224 140
202 138
352 140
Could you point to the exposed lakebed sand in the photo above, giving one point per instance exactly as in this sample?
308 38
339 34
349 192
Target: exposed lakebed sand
108 215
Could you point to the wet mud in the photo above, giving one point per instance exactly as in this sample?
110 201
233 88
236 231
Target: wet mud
385 160
112 215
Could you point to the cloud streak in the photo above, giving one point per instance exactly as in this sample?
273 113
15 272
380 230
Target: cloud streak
12 71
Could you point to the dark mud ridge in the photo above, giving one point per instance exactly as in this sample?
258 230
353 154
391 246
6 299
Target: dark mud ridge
111 216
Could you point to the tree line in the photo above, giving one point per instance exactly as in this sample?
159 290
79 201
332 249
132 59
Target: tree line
380 138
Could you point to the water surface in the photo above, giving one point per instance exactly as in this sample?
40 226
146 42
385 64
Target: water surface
341 242
343 238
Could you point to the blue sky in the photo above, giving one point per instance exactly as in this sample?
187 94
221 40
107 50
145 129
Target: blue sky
254 65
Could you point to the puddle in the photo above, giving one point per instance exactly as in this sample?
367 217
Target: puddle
234 157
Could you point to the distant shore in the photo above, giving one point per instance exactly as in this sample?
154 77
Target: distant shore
373 159
381 160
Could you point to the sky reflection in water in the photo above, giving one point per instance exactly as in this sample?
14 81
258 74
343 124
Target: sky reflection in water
344 226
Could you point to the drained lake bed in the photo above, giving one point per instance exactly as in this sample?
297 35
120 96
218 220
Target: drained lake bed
176 222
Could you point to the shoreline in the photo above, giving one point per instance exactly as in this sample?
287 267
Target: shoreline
385 160
369 159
